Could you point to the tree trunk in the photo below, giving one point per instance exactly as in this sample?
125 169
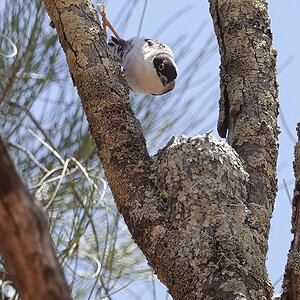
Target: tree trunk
291 283
197 210
25 243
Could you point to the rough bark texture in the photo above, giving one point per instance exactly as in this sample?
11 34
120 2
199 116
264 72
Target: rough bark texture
291 283
25 243
117 133
192 208
249 97
210 251
249 90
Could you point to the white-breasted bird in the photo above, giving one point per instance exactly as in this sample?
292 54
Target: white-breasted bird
148 64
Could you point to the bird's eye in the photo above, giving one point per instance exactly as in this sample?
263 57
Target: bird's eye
161 67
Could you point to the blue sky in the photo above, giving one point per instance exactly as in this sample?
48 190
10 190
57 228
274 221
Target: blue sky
285 24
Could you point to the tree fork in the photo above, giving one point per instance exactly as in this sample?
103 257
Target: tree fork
200 215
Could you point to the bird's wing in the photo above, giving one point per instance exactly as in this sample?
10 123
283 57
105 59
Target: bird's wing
120 48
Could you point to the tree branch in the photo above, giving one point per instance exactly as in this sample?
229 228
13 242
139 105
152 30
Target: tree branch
291 282
25 244
249 96
105 98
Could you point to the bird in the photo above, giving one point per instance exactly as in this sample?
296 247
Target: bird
148 65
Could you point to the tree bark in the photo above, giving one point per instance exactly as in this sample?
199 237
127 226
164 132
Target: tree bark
198 212
25 243
249 90
249 97
291 283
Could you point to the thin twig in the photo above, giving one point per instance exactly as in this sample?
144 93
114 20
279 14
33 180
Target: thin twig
47 146
13 45
36 123
30 154
58 184
10 82
142 18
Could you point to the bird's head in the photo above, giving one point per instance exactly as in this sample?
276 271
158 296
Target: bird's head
165 68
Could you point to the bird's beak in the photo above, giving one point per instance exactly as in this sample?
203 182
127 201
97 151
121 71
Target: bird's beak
164 80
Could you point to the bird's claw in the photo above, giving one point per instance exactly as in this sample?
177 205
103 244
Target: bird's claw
101 9
106 23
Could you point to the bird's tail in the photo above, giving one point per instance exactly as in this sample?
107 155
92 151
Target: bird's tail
117 47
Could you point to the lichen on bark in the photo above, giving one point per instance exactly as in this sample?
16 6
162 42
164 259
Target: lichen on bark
204 185
249 98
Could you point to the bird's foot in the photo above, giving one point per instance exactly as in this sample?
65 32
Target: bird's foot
106 23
